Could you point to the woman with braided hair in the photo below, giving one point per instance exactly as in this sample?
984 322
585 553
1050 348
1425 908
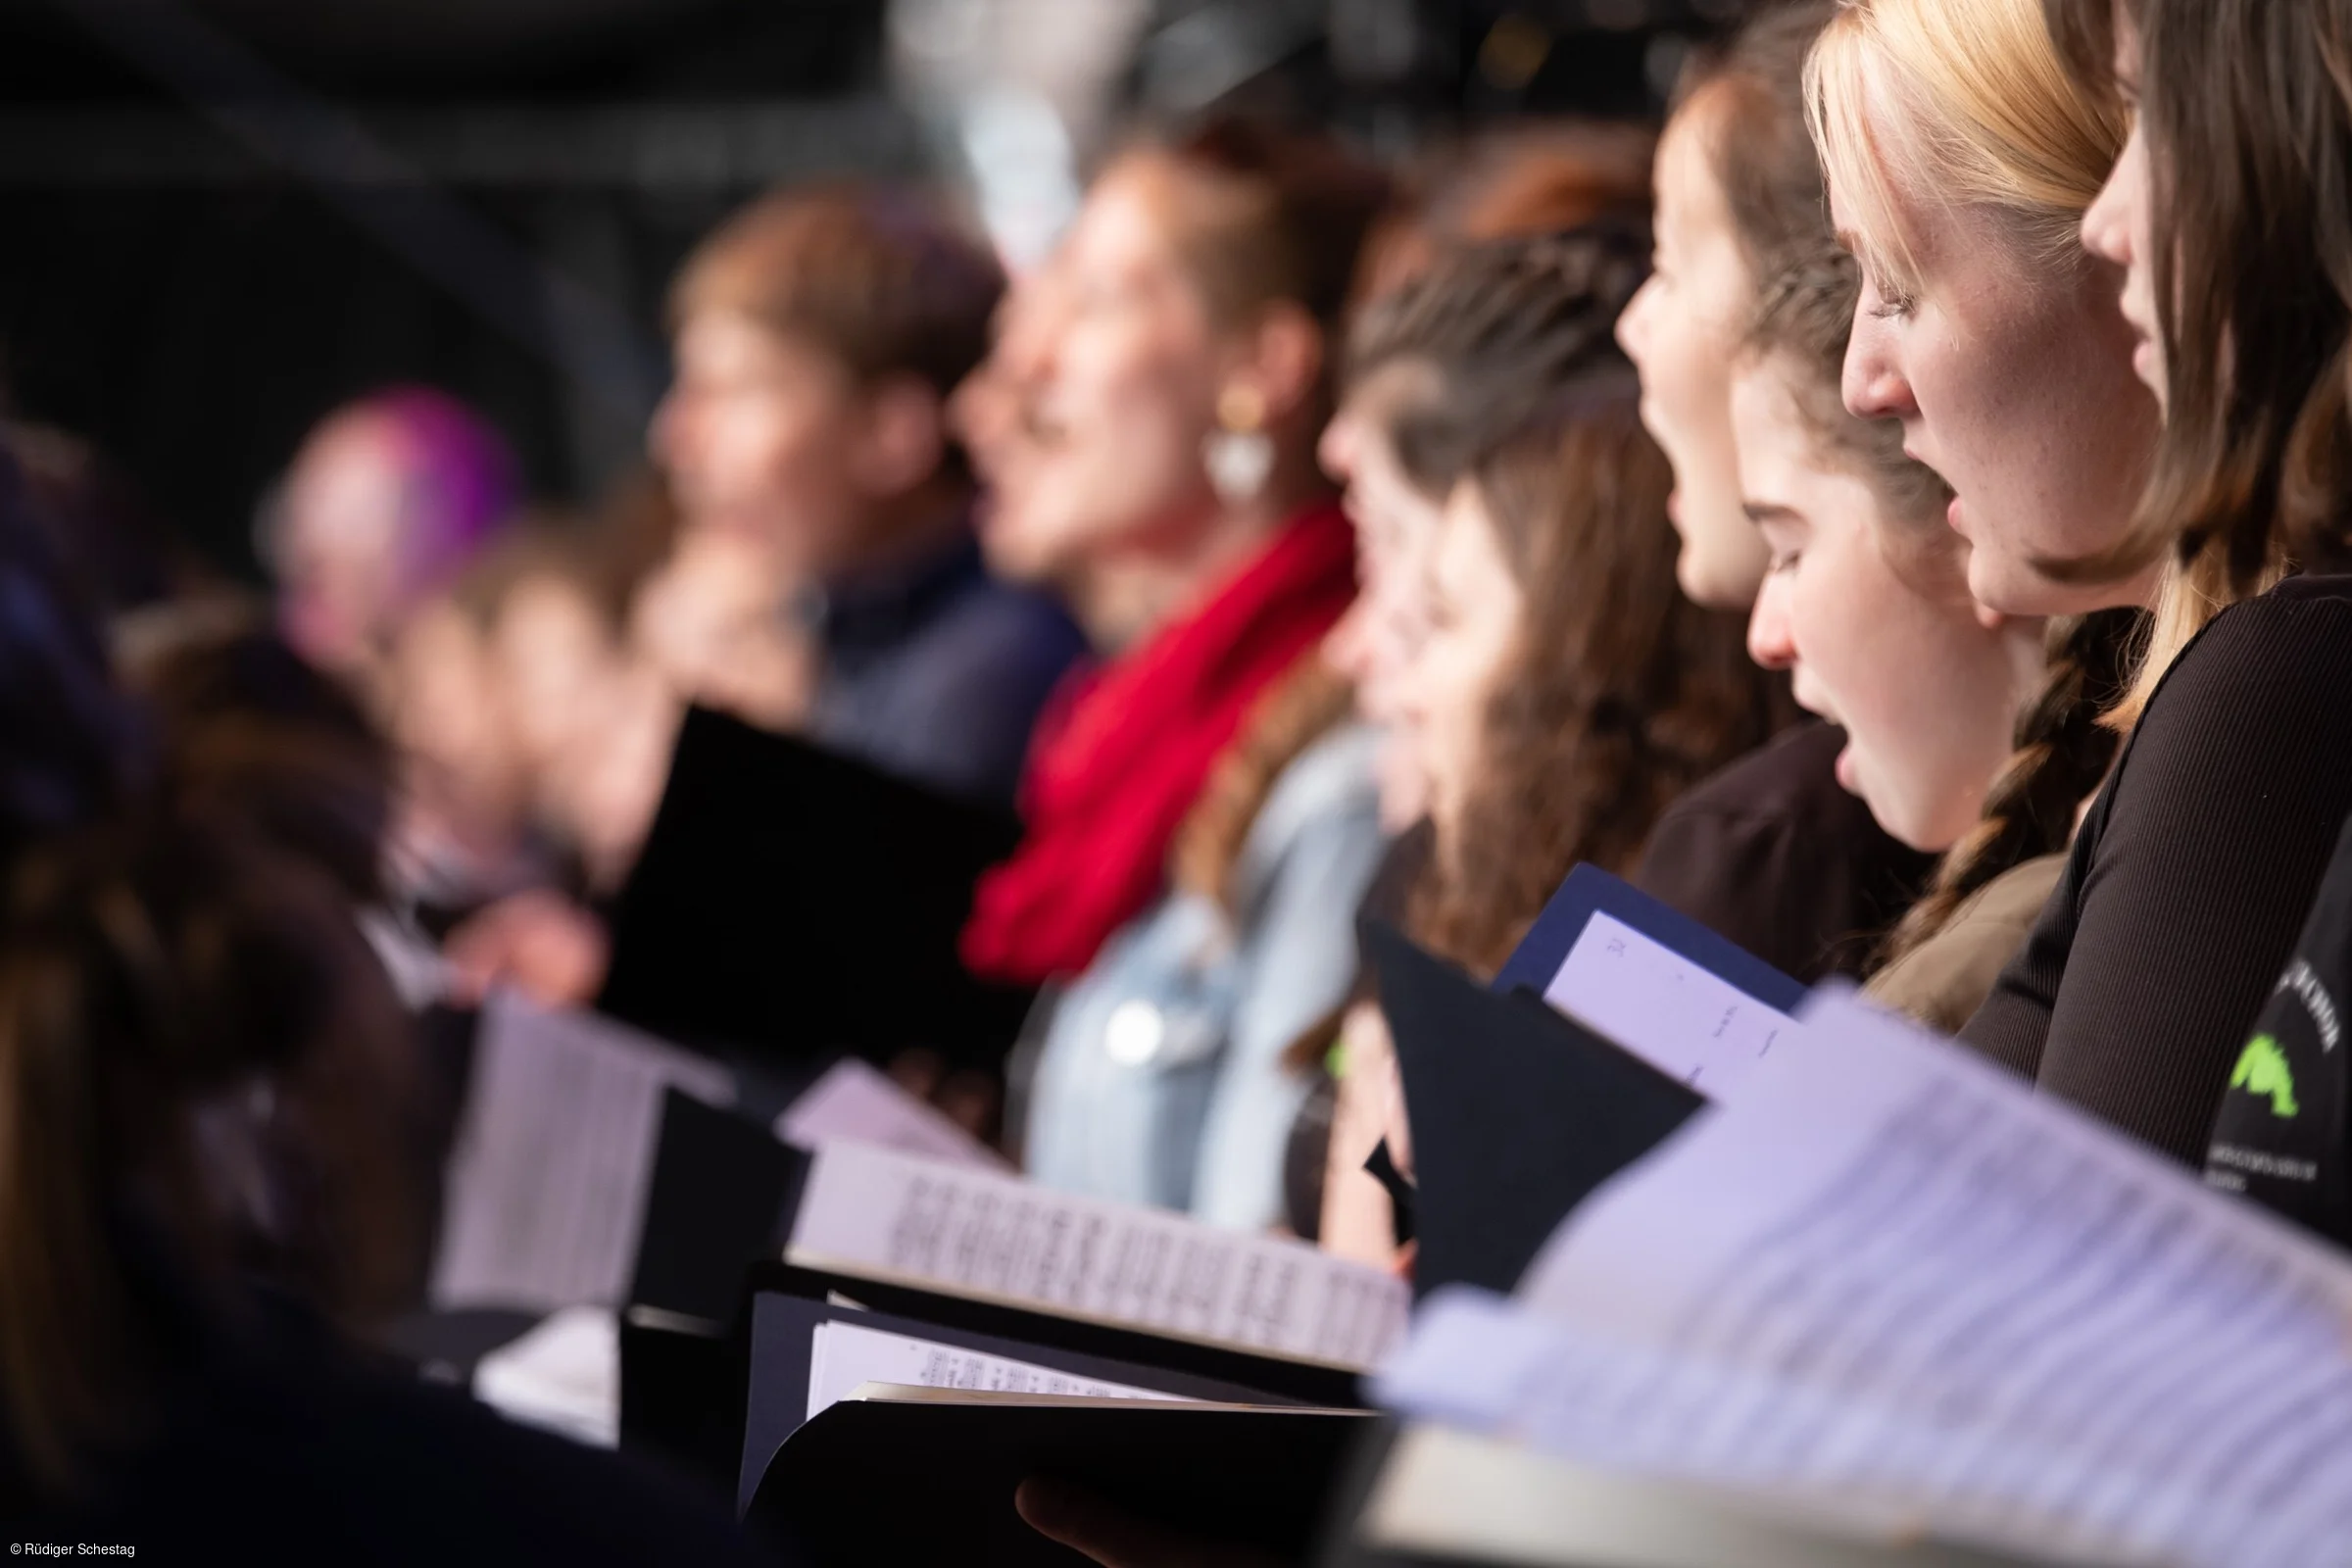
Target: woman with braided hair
1563 690
1866 601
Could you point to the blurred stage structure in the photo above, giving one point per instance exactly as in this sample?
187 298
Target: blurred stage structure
228 215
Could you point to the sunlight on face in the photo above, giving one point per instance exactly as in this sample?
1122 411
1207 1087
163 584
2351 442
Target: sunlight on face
2119 226
1681 330
1396 525
1476 609
2011 375
1926 695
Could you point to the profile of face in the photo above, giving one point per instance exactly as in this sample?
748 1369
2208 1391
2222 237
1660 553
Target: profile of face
1476 614
1396 523
349 543
2119 225
554 659
1091 413
774 441
465 769
2011 375
1681 330
1927 694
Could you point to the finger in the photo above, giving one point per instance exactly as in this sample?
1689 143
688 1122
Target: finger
1089 1526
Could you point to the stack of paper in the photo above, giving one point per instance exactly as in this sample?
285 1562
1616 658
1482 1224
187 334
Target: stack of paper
1889 1284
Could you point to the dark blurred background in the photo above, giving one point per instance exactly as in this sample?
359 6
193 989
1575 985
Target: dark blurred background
226 216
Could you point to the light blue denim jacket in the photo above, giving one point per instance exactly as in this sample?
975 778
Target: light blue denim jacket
1160 1079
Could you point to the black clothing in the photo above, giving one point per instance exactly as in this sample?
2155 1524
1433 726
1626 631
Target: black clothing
274 1444
2279 1136
1773 854
937 672
2192 875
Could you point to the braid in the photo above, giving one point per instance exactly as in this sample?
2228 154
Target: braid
2063 752
1508 326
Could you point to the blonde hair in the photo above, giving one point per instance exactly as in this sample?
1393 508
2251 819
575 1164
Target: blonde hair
1986 112
1983 113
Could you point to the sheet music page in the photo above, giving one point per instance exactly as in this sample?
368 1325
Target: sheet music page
1672 1013
554 1156
881 1213
1888 1277
856 1102
564 1375
844 1356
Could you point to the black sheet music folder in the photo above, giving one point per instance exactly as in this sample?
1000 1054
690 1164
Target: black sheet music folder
805 902
1518 1114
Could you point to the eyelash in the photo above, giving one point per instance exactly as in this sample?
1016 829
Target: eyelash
1889 306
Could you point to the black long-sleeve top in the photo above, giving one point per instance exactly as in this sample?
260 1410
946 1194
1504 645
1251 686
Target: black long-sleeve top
1775 854
2192 875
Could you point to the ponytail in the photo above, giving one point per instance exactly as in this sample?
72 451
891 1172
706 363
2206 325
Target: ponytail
2064 750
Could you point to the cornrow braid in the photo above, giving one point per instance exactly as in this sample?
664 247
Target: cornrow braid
2063 752
1507 324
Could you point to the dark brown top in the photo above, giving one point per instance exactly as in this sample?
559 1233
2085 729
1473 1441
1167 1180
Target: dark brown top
2190 878
1773 852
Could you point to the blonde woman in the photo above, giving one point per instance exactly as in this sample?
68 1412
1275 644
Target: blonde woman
1961 156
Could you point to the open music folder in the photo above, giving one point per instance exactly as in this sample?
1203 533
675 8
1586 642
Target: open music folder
845 1404
1614 1020
1898 1295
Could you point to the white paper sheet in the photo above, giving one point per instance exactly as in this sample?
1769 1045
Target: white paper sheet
1672 1013
554 1154
881 1213
565 1376
1887 1277
854 1103
845 1356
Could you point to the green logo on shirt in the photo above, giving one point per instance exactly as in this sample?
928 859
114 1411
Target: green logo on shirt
2262 1070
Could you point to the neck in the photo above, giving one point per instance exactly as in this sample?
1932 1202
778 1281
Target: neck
1122 601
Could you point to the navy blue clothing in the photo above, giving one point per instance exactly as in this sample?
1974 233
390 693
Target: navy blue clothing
938 673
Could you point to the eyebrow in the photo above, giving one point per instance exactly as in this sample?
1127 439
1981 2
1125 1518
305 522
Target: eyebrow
1763 511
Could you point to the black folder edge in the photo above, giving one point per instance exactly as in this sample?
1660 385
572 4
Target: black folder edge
1591 891
783 1328
1487 1077
1302 1381
1253 1478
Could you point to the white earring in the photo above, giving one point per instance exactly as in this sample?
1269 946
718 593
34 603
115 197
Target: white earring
1239 454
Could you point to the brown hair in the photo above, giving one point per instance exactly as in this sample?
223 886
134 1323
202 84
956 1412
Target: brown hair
1297 710
2061 749
1271 216
1750 98
878 279
1622 693
1534 180
2248 121
198 1050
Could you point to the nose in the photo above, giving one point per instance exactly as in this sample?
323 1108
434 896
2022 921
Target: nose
1633 320
2106 224
1336 449
1770 642
1873 386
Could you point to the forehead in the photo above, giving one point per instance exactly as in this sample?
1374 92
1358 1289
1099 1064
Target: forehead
1688 190
1774 441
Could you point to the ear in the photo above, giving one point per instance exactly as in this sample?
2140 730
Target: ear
1280 358
902 438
